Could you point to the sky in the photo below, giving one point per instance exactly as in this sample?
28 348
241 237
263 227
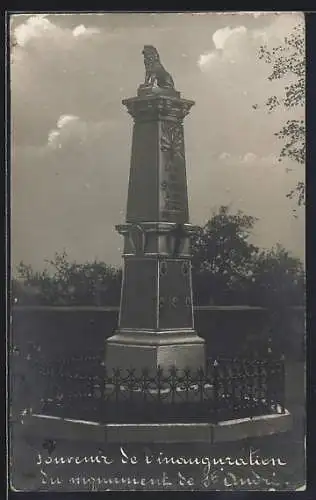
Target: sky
71 135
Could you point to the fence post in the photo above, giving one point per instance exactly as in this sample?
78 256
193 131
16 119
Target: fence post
117 379
216 389
282 383
173 383
159 384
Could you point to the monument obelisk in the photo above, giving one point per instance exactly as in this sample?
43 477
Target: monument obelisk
156 323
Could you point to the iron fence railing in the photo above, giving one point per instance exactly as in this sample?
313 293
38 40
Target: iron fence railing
82 388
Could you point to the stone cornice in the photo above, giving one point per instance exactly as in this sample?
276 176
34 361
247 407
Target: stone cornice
158 107
156 227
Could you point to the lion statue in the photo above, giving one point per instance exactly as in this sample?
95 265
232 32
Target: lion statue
155 72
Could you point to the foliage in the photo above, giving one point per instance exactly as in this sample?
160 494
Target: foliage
278 278
288 59
228 269
222 257
72 283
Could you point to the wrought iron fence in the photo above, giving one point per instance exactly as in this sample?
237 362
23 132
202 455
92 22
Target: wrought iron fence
228 388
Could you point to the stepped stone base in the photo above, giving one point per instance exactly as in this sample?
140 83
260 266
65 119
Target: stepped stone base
139 350
48 426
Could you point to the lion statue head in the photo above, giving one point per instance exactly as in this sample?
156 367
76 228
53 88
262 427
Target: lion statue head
150 54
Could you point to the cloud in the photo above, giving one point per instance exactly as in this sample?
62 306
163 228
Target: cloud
81 30
39 27
46 68
230 46
274 32
222 36
249 158
205 60
34 27
238 44
237 83
72 130
64 119
66 124
224 156
53 139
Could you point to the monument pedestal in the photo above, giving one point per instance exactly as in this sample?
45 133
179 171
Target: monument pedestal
156 324
141 350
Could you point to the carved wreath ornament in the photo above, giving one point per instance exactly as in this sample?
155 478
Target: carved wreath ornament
172 140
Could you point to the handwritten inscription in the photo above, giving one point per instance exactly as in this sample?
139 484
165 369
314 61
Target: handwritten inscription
98 459
157 470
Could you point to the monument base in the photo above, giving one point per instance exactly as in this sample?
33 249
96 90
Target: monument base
139 350
49 426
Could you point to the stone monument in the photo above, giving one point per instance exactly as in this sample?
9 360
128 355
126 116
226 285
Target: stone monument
156 323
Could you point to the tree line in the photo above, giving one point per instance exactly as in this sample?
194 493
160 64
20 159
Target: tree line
227 269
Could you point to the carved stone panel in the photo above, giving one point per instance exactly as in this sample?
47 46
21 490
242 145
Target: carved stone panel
172 139
174 288
143 190
139 294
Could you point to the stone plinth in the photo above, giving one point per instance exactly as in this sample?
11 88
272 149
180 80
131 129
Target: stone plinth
156 325
139 350
46 426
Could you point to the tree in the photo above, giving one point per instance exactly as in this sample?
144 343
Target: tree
228 269
32 287
288 59
222 257
278 279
